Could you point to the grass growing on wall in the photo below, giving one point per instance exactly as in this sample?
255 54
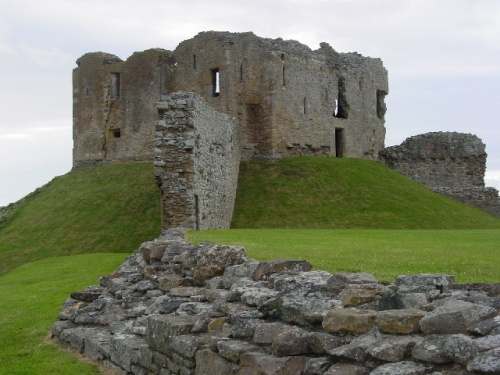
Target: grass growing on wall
308 192
30 300
102 209
470 255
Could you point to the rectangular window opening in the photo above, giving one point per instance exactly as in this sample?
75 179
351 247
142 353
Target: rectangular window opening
283 76
194 62
116 133
241 72
339 142
305 105
341 106
115 85
197 212
381 106
215 82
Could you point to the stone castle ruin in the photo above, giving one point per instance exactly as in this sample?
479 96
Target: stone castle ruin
220 98
174 308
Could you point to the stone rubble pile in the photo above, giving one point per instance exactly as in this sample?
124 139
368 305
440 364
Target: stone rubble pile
176 308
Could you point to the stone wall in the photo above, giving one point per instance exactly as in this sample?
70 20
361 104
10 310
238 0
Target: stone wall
114 106
197 159
449 163
289 100
175 308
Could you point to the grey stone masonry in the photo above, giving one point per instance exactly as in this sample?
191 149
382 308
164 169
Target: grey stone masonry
288 99
449 163
196 162
225 316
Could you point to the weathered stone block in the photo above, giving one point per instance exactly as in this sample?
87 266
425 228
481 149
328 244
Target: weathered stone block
267 268
486 363
209 363
96 345
405 367
125 350
460 348
346 369
321 342
259 363
291 341
212 260
358 294
232 349
349 320
169 282
431 349
340 280
455 317
160 329
393 348
400 321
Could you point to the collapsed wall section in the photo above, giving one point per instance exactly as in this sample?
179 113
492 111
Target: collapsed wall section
196 163
449 163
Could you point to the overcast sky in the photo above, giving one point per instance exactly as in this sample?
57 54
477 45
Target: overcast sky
443 58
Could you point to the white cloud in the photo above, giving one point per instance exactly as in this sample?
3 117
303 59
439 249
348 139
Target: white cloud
46 57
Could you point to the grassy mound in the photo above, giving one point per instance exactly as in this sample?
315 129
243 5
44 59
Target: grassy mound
310 192
108 209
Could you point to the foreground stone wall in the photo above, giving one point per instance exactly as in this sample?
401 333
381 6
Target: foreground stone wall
197 158
175 308
449 163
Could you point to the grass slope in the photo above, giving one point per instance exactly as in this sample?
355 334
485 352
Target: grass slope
30 300
103 209
310 192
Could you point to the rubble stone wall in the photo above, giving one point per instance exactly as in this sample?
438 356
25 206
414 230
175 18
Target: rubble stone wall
449 163
196 165
176 308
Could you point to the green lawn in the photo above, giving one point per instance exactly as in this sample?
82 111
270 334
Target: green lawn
309 192
470 255
105 212
30 300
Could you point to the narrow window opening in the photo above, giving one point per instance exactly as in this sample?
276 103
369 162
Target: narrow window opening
215 82
283 76
381 106
116 133
339 142
305 105
341 106
115 85
87 92
241 72
197 212
194 62
282 57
